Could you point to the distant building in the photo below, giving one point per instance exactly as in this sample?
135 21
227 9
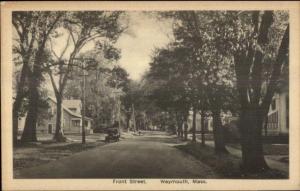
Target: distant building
226 118
278 116
208 122
71 118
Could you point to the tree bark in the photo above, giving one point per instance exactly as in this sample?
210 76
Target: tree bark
266 126
179 125
202 129
194 126
180 130
252 111
252 114
218 131
59 135
29 133
251 123
185 131
19 98
182 134
185 125
127 120
185 128
16 109
133 118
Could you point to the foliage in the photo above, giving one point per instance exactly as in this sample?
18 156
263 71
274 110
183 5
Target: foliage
100 96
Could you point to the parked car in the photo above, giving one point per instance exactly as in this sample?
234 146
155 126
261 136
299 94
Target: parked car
113 134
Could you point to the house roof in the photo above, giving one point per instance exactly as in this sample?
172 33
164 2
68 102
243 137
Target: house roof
67 110
73 103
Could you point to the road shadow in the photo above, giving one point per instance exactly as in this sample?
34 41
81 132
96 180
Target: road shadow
160 139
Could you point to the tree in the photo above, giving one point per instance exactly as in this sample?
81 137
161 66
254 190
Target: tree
46 23
100 101
129 100
83 27
206 69
168 89
119 81
253 113
253 38
25 26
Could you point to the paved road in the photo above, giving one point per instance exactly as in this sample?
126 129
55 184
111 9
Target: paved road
147 156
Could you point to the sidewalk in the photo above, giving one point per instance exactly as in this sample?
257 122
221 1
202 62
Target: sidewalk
269 158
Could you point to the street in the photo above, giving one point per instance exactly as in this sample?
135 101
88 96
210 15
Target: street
151 155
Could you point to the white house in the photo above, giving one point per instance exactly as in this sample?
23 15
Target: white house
278 116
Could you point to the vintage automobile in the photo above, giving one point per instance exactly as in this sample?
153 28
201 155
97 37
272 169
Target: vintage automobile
113 134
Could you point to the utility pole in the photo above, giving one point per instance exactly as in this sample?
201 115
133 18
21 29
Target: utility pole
119 112
82 66
83 105
118 105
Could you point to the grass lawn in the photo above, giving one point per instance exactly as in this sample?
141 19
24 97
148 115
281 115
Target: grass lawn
270 149
225 165
33 154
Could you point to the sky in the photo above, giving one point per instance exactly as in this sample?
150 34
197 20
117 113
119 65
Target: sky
145 34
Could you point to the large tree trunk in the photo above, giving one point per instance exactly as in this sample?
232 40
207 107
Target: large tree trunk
194 126
251 123
16 109
19 98
179 126
185 131
180 130
133 118
29 133
59 135
128 115
266 126
181 133
253 112
218 131
185 128
202 129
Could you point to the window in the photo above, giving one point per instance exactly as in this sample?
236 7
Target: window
273 104
76 123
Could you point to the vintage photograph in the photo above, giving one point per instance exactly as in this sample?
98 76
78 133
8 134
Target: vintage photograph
180 97
131 94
